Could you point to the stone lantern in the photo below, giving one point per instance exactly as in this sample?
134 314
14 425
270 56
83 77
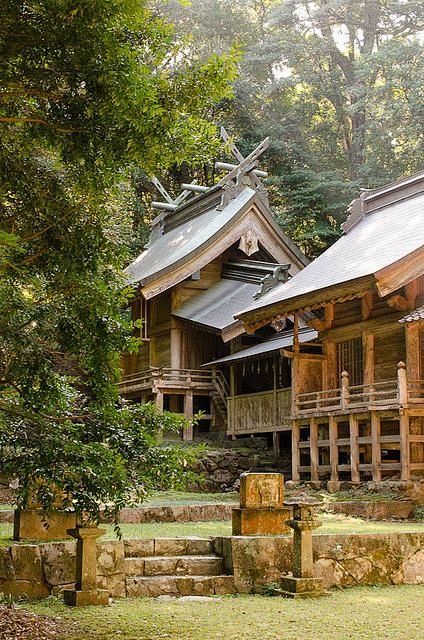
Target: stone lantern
86 591
302 584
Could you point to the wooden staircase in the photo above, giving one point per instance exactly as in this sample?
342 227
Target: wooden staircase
175 567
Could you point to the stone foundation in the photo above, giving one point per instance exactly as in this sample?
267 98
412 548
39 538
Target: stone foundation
339 560
36 570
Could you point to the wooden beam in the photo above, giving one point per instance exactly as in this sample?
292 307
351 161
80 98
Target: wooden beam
334 451
313 438
375 446
295 451
188 413
405 462
354 448
368 350
367 305
398 302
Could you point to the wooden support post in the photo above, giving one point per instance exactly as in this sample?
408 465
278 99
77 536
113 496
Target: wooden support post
314 449
405 454
375 446
354 448
368 350
344 393
334 452
296 346
295 451
159 399
276 443
188 412
402 385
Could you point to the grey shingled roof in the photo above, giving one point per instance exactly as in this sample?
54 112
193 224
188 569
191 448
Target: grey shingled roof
216 306
277 342
381 238
175 246
414 316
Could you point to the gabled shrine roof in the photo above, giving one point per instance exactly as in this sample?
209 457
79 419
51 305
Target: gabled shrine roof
194 229
383 244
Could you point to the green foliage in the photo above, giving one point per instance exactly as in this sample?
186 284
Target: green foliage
87 90
336 84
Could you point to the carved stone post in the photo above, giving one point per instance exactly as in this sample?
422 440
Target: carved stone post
86 592
302 584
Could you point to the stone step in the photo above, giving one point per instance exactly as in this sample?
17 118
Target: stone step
174 566
179 586
189 546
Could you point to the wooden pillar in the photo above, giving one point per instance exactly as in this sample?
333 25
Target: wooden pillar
334 452
295 451
405 470
276 443
375 446
344 393
354 448
159 399
368 350
296 346
412 343
314 449
232 381
176 346
402 384
188 412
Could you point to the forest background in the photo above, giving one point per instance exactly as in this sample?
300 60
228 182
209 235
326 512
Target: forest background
338 85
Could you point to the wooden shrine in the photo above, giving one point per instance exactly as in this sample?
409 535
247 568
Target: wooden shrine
357 398
212 251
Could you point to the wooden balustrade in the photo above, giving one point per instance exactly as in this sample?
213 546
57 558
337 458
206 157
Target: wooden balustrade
259 412
379 395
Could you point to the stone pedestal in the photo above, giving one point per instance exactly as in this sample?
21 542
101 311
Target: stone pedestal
86 592
34 524
261 509
302 584
256 522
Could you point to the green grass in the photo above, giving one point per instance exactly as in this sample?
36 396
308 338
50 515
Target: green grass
332 524
362 613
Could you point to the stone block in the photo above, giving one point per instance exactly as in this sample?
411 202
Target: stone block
170 546
6 564
300 585
333 486
113 584
86 598
110 557
139 548
199 546
32 524
59 562
260 490
27 589
134 566
223 585
251 522
27 562
413 569
300 588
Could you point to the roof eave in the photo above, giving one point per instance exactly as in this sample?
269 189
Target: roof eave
255 318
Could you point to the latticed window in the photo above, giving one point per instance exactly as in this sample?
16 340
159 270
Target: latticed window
350 359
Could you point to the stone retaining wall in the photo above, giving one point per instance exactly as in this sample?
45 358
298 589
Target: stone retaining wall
344 560
35 570
181 513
